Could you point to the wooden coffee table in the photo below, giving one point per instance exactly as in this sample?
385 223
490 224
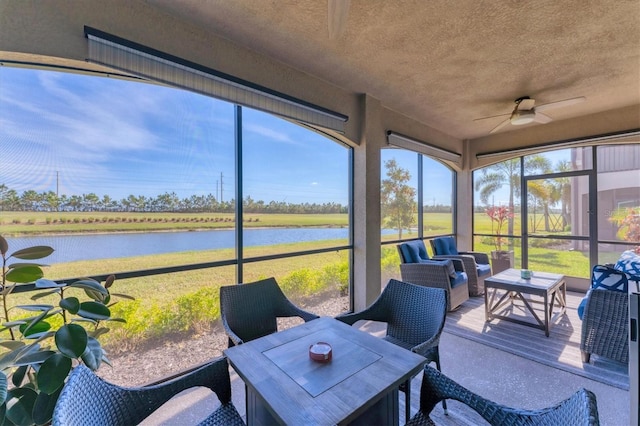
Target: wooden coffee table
504 289
358 386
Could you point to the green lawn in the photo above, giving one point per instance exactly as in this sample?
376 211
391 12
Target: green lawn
36 223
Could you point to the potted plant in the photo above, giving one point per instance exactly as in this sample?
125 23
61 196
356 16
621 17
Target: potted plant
41 343
500 259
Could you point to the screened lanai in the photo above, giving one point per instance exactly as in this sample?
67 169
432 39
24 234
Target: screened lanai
202 104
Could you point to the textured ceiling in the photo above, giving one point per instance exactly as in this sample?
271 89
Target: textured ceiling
446 63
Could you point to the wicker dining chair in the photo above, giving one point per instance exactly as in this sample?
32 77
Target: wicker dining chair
578 410
415 318
87 399
251 310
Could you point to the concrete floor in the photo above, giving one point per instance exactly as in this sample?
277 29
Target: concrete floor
499 376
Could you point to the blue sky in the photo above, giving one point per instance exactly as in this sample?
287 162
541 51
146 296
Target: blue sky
117 137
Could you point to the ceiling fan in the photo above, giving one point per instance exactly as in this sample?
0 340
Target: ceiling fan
337 12
526 112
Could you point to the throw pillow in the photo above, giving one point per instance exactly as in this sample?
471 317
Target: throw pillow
606 278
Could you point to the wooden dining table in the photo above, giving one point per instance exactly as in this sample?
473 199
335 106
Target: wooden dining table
359 385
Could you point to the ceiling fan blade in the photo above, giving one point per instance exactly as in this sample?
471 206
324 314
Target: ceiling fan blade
561 104
500 126
491 116
541 118
337 12
526 104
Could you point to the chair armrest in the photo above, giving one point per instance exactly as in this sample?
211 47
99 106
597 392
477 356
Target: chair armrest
374 312
427 274
606 307
581 407
424 347
605 325
468 261
232 336
288 309
481 258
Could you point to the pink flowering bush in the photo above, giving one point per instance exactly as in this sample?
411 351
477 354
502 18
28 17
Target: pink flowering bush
499 217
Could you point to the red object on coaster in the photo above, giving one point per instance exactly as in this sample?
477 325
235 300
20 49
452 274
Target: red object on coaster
320 352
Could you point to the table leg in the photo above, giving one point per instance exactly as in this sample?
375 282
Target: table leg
547 312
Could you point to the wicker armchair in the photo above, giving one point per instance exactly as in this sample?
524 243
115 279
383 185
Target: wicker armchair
415 318
448 274
605 320
476 264
251 310
580 409
86 399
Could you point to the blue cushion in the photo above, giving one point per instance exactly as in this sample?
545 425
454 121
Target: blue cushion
483 269
606 278
414 251
583 304
461 278
444 246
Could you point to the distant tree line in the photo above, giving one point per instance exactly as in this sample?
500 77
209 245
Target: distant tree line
49 201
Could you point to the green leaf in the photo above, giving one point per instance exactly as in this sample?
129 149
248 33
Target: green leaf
35 307
94 310
99 332
124 296
106 360
71 340
71 304
18 375
89 284
33 357
87 320
24 274
44 406
3 388
12 344
45 283
8 359
4 246
92 356
35 328
53 372
14 323
16 265
35 252
109 281
20 402
44 294
122 320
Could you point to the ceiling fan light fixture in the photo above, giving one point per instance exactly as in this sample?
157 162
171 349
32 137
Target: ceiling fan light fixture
520 117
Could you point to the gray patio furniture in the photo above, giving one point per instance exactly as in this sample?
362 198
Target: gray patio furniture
578 410
251 310
605 320
449 274
415 318
87 399
476 264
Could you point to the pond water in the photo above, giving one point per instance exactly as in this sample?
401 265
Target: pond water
70 248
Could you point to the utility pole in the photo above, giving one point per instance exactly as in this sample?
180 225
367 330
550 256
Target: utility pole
57 191
221 187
